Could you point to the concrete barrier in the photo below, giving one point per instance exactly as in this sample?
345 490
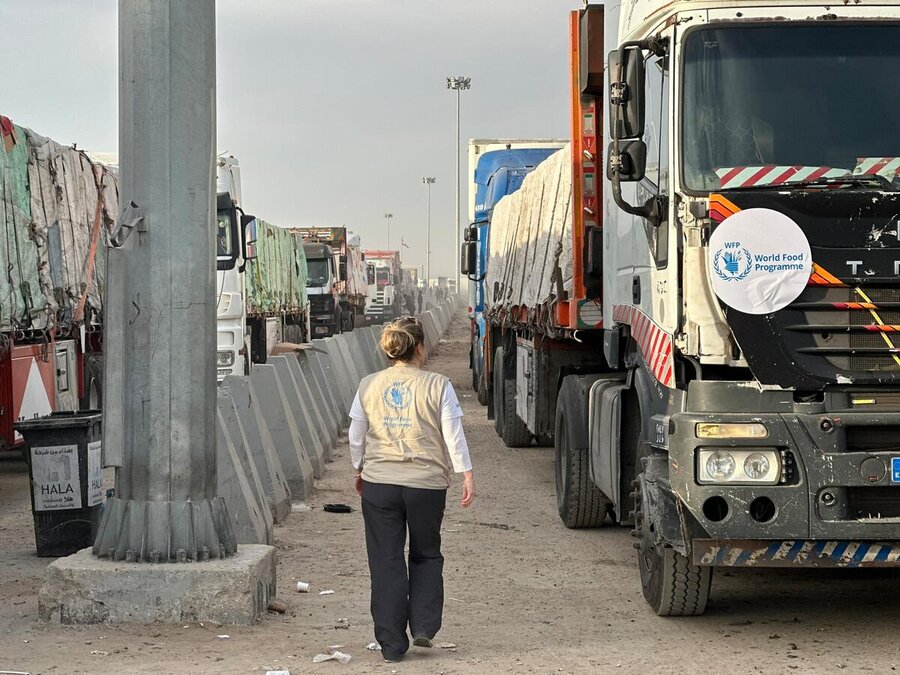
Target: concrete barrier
382 357
356 372
310 425
359 353
260 444
330 384
319 398
227 417
295 450
346 386
431 331
367 343
251 519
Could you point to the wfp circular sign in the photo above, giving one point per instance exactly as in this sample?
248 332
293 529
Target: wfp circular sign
759 261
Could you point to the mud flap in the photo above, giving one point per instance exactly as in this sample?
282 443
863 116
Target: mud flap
662 508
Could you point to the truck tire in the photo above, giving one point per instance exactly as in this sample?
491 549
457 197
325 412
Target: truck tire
579 502
483 392
672 584
513 432
498 391
93 382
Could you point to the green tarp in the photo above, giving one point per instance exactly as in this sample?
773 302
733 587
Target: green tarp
276 278
52 257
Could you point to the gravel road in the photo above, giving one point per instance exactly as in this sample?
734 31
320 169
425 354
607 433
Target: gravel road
524 594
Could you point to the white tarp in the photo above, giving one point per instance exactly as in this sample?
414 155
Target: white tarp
530 245
357 283
74 202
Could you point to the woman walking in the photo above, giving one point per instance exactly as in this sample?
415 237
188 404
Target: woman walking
406 440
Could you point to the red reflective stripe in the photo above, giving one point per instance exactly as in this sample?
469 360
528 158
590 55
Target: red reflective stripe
818 173
792 171
731 174
755 178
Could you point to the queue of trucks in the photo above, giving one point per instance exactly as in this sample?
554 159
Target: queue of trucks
59 214
695 301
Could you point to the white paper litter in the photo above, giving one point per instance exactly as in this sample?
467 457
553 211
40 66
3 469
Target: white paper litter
328 592
333 656
373 647
223 637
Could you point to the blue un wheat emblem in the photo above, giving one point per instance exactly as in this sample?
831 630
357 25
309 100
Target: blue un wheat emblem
732 264
397 396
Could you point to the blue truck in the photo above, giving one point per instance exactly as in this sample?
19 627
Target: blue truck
497 168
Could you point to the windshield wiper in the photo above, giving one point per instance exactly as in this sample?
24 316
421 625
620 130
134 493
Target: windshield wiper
862 180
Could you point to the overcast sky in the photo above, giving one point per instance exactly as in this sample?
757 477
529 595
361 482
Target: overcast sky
335 109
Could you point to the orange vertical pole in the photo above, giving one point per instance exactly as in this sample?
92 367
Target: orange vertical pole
577 173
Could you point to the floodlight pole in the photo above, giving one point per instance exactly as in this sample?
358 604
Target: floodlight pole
459 83
387 217
429 181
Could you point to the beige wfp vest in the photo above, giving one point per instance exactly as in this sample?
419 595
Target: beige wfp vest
405 444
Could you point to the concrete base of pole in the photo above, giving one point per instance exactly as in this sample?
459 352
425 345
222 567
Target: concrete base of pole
80 589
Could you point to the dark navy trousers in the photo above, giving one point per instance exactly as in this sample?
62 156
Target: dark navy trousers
402 595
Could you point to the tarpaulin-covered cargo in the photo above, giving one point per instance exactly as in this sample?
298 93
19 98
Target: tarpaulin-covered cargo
57 208
530 249
356 273
276 279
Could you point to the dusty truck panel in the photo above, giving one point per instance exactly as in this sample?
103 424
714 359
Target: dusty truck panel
714 357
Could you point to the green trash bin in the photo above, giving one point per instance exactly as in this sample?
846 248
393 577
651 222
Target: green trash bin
65 471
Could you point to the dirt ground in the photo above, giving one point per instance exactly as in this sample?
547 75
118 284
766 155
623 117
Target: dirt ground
524 594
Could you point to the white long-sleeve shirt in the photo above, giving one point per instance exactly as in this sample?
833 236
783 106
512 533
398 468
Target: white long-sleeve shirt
451 429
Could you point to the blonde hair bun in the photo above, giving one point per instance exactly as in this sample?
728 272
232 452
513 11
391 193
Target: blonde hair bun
399 339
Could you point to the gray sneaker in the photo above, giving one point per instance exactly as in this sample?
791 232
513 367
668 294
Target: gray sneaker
423 642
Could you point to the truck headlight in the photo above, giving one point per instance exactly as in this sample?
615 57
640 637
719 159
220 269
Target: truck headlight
224 359
752 466
732 430
756 466
720 466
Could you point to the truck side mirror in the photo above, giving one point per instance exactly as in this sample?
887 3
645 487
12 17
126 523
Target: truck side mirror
248 228
468 262
628 162
370 275
626 92
342 270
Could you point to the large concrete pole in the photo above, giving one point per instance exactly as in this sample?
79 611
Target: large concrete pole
159 335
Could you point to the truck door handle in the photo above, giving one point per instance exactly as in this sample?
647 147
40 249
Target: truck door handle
636 290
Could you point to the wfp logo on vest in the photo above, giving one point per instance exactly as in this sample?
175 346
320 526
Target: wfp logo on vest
397 396
732 262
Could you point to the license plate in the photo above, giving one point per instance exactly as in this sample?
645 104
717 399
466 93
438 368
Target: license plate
895 469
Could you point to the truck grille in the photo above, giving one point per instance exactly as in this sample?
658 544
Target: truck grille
856 330
874 502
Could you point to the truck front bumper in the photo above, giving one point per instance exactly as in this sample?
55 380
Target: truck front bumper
793 553
837 503
323 326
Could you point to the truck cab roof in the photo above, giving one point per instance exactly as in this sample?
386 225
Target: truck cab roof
501 172
314 251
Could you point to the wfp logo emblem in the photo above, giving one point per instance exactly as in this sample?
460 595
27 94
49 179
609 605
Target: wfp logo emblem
397 396
732 262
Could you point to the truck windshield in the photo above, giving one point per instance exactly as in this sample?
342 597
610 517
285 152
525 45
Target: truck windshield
317 272
382 277
224 234
808 101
